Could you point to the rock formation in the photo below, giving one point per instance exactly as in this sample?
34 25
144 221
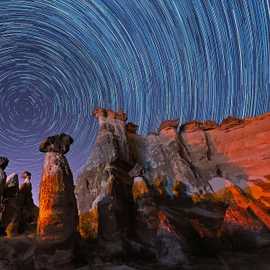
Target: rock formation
28 210
58 215
3 164
152 227
19 212
197 188
192 196
105 199
11 213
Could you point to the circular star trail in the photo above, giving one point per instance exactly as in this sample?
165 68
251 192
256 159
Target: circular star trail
153 59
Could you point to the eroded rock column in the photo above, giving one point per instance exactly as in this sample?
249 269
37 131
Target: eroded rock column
58 215
104 187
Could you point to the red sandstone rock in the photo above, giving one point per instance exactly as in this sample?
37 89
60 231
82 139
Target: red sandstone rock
230 122
104 113
244 203
191 126
169 124
207 125
185 189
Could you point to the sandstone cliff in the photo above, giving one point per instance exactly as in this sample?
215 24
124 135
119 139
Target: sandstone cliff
200 185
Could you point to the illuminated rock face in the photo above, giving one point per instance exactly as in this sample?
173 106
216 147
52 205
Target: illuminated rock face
154 229
234 157
58 217
111 148
239 149
200 184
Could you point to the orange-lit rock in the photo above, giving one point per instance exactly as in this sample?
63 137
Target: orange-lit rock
198 183
153 227
58 217
103 114
259 190
238 149
237 218
139 188
245 204
88 224
169 129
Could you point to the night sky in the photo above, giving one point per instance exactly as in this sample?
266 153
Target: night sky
155 59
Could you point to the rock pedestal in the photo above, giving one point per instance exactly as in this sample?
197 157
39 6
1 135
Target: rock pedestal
58 216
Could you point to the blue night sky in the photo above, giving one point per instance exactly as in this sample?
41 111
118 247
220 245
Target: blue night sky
155 59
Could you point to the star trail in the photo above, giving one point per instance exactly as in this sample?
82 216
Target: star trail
153 59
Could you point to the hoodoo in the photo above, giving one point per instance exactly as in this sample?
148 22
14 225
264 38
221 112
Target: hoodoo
58 215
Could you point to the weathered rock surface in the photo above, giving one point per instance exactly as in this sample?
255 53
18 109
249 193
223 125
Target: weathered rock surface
194 196
111 148
11 214
104 198
58 217
3 177
19 212
28 210
203 189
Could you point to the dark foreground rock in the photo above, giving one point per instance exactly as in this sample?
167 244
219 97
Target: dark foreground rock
22 253
18 211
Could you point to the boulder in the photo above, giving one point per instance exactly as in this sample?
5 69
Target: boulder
56 144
